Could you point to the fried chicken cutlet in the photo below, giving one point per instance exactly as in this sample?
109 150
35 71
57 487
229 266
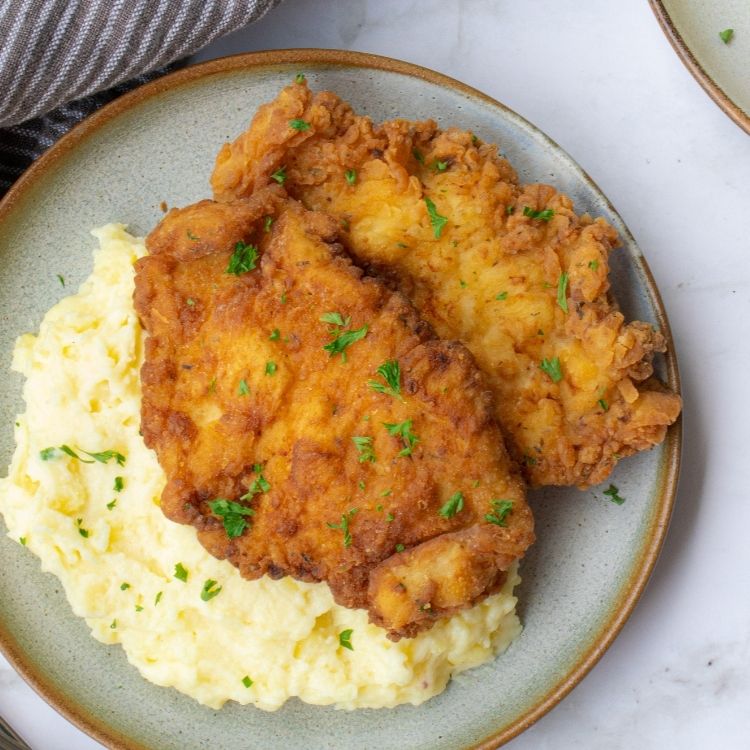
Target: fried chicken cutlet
509 269
311 424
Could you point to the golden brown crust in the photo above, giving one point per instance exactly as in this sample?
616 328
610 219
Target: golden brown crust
490 279
210 332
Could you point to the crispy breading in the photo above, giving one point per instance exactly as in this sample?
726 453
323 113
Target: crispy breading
242 402
509 269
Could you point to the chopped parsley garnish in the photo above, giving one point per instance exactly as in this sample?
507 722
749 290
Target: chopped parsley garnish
344 526
158 597
402 245
279 175
47 453
500 509
385 493
210 590
271 367
603 404
614 495
344 339
400 548
275 335
299 78
246 681
454 504
191 236
403 430
282 299
83 532
417 154
243 259
232 515
111 504
267 222
562 292
351 176
726 35
180 573
439 166
335 319
544 215
190 302
260 483
102 457
105 456
138 608
119 484
463 284
124 586
509 210
552 368
475 483
437 221
364 448
529 460
501 296
243 389
593 264
390 518
22 539
390 371
61 279
299 125
113 626
345 639
361 484
212 386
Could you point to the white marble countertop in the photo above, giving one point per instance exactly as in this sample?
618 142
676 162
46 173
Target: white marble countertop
602 80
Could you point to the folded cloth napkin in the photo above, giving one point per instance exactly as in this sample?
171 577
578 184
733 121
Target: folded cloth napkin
56 51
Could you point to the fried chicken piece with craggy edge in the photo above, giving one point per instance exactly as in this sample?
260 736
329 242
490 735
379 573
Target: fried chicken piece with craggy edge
508 269
358 449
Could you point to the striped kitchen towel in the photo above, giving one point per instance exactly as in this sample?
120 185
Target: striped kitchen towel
62 59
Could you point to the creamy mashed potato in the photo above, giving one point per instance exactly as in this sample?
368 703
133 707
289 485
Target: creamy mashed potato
115 553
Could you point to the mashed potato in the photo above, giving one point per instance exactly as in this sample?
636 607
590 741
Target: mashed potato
98 527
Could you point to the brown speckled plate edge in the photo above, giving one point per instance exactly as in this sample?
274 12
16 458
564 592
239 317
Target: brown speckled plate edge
653 539
735 113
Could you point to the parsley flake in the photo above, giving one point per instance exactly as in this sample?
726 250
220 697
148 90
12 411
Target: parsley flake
267 222
454 504
271 367
437 220
417 154
552 368
299 125
61 279
47 454
500 509
351 176
344 526
603 404
544 215
299 78
726 35
246 681
275 335
614 495
439 166
243 259
158 597
243 389
390 518
83 532
400 548
124 586
361 484
335 319
259 484
562 292
180 573
364 448
111 504
279 175
138 608
593 264
210 590
119 484
390 371
403 430
509 210
113 626
345 639
232 515
22 539
344 339
501 296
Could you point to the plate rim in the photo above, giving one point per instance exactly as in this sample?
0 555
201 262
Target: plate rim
709 85
667 481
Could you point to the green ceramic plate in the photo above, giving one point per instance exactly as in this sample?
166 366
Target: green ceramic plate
693 27
581 579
